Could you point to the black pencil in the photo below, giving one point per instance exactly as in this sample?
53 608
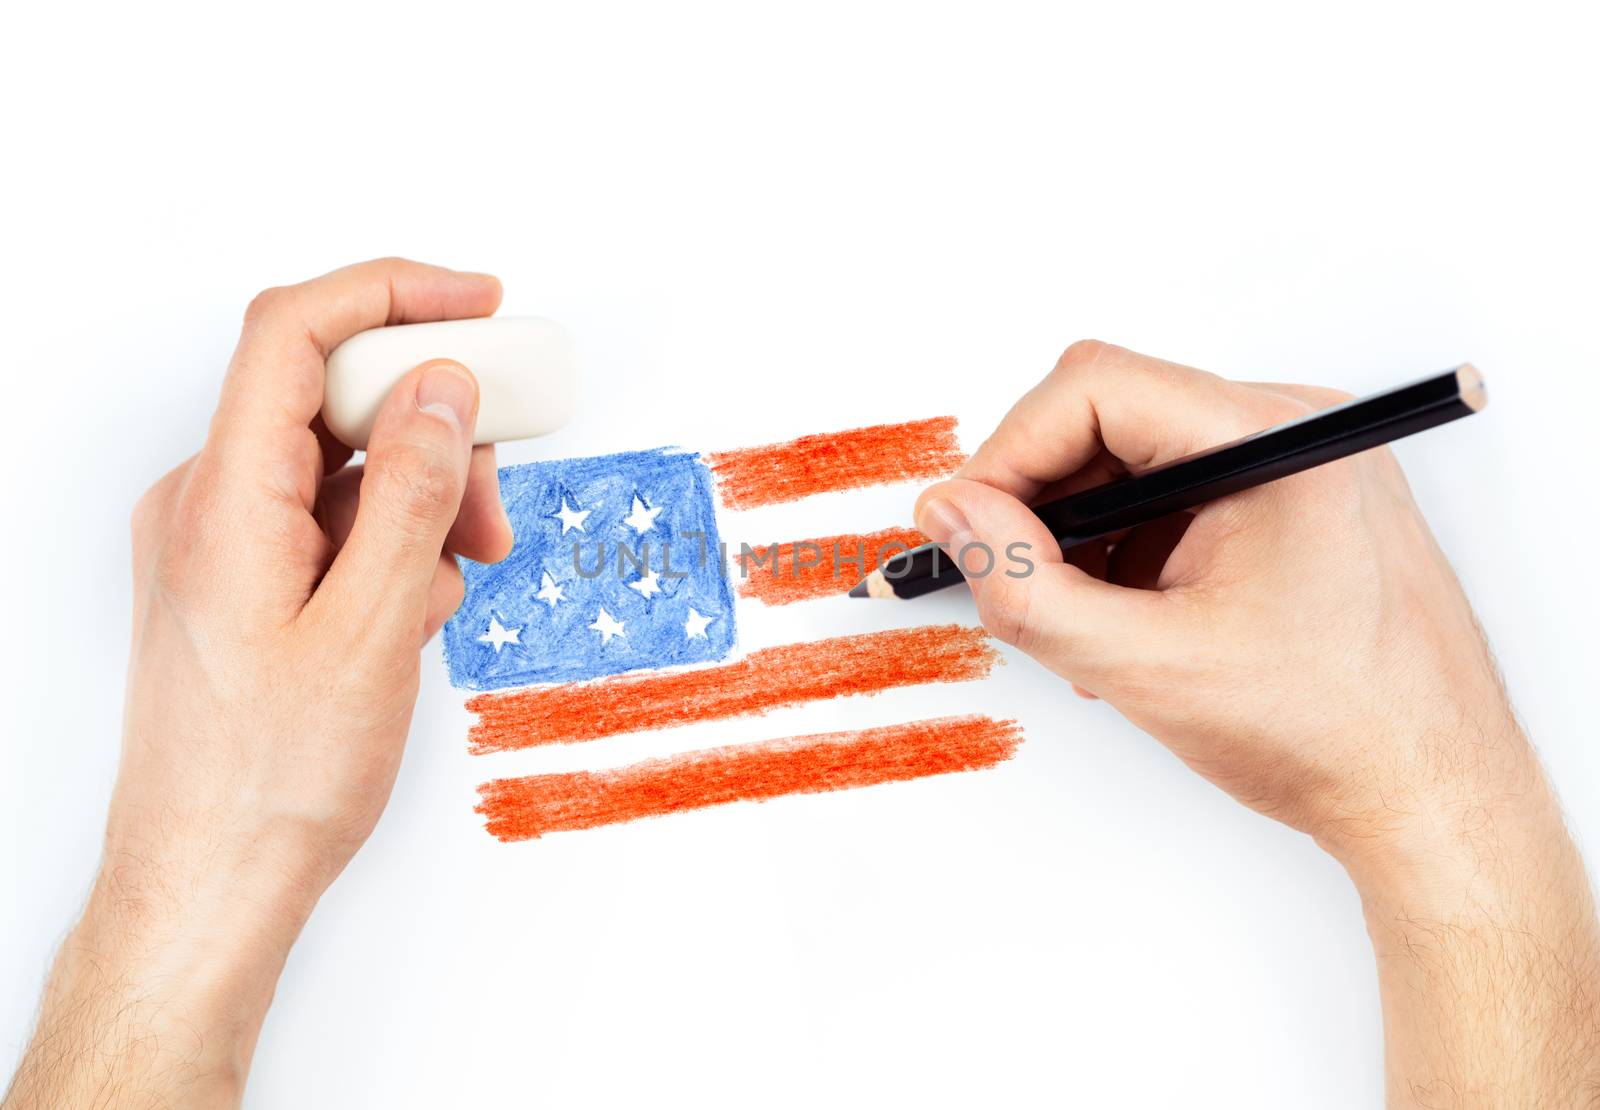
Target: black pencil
1192 481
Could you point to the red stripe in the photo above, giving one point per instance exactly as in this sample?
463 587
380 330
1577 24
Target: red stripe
875 456
821 567
526 808
763 680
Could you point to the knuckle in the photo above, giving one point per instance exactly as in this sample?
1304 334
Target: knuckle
379 270
1081 355
1006 611
1278 408
142 533
184 564
1316 396
151 520
421 483
266 305
147 512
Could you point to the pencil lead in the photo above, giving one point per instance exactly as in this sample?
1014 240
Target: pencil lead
859 589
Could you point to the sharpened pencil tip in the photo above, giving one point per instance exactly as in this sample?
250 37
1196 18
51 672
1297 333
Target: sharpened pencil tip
873 585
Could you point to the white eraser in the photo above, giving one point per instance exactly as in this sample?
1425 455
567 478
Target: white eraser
527 376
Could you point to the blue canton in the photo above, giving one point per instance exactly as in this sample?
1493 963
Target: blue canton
540 616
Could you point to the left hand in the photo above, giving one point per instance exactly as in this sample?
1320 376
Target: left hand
280 602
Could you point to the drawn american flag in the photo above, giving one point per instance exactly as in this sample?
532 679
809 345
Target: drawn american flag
618 609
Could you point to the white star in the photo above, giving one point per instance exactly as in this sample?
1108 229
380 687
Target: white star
608 626
500 636
647 584
549 592
641 519
696 625
570 518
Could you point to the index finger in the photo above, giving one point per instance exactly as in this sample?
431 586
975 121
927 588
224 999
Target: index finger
1142 410
274 385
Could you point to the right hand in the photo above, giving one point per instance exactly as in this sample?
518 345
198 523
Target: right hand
1304 645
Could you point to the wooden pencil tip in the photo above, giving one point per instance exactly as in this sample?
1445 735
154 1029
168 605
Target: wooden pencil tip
873 585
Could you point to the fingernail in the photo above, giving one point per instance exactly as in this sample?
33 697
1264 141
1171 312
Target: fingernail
943 523
448 392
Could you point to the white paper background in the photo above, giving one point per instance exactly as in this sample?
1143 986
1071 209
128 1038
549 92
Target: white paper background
763 222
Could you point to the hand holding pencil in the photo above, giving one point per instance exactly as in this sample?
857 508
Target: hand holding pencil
1305 646
1210 626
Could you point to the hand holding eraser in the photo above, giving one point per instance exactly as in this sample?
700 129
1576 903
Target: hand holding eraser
527 376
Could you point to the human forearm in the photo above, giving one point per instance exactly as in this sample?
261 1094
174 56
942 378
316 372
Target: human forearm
1483 925
158 994
1307 647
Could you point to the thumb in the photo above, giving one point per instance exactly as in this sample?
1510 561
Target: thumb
411 489
1084 629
